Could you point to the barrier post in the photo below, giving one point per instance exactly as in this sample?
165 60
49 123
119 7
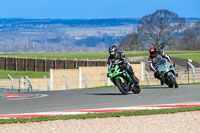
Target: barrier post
48 84
12 80
67 82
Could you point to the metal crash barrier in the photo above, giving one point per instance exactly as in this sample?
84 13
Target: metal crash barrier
29 83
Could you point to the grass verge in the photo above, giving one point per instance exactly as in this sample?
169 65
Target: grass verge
100 115
86 55
19 74
194 57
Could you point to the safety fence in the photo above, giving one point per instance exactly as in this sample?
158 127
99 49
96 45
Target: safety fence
86 77
27 64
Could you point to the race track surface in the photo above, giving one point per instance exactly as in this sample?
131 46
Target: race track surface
99 98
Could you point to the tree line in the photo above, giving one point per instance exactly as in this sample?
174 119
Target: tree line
165 30
16 22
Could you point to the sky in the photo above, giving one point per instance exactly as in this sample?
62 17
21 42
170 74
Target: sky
93 9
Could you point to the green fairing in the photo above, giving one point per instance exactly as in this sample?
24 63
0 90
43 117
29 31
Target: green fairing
121 79
115 75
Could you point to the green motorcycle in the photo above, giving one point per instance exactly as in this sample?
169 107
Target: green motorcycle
120 77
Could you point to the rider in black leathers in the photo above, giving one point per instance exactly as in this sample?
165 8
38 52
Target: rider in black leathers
156 56
122 60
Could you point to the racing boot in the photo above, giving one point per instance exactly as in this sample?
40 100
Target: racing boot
162 80
132 75
136 80
176 74
131 82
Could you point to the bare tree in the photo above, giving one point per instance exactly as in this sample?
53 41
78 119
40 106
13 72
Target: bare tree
131 42
160 28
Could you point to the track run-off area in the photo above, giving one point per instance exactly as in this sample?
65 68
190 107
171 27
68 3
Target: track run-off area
69 102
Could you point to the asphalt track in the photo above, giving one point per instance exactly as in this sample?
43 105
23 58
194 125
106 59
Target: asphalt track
99 98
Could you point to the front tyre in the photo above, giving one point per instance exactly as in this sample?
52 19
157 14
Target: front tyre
136 89
173 81
123 88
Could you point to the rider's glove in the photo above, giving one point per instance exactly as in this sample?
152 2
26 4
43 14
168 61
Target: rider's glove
172 62
108 75
156 74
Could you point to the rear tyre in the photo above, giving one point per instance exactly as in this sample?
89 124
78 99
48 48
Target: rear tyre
123 88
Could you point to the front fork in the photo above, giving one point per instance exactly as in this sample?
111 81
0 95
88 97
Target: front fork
168 75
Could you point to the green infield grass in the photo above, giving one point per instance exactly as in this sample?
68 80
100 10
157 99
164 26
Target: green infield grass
194 57
19 74
100 115
87 55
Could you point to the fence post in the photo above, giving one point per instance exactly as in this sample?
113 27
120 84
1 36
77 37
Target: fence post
21 83
142 70
48 84
80 77
65 63
12 80
6 62
29 83
193 69
75 63
16 63
26 65
106 81
51 78
86 81
86 63
147 76
35 65
54 64
67 82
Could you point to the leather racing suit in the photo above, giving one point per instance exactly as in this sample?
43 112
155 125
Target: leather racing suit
153 60
122 60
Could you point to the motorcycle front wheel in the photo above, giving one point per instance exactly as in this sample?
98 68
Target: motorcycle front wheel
136 89
123 87
173 81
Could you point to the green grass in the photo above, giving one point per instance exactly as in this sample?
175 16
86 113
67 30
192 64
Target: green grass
196 83
194 57
182 52
87 55
100 115
19 74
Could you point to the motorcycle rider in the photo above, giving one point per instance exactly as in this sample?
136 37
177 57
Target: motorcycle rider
122 60
156 56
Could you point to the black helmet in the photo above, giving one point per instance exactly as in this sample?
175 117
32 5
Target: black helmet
112 51
153 51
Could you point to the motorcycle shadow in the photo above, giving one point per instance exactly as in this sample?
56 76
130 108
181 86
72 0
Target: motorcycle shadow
157 87
108 94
